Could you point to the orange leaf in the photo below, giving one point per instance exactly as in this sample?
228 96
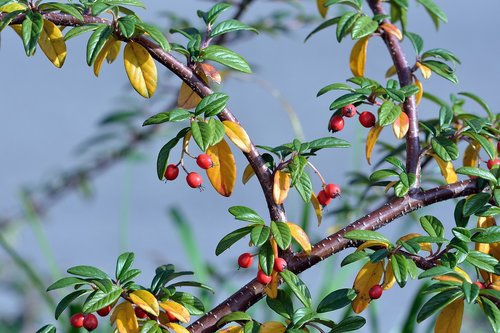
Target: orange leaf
426 71
371 243
357 60
371 140
176 309
146 301
420 93
392 29
450 318
300 237
471 155
389 277
237 135
247 174
187 98
401 125
281 186
321 8
317 208
124 317
271 289
447 170
369 275
424 246
222 175
211 72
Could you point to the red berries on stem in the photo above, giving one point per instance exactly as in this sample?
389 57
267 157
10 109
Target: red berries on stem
76 320
90 322
280 264
139 313
332 190
171 317
336 123
367 119
323 198
349 111
491 163
194 180
375 291
104 311
263 278
480 285
204 161
245 260
171 172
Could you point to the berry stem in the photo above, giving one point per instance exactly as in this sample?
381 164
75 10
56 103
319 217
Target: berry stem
323 183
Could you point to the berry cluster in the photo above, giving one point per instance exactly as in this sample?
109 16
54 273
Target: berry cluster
329 192
193 179
88 321
245 261
366 118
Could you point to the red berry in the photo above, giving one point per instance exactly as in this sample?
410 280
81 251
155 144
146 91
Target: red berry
245 260
90 322
104 311
194 180
480 284
171 172
367 119
323 198
263 278
204 161
76 320
349 111
139 313
171 317
332 190
375 291
492 163
336 123
279 264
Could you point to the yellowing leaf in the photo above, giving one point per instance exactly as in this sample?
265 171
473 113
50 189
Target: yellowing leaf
300 237
450 318
102 55
231 329
389 186
452 278
272 327
222 175
426 71
52 43
357 60
271 289
420 93
371 140
141 69
177 328
187 98
211 72
392 29
370 244
369 275
424 246
317 208
281 186
146 301
486 221
12 7
124 317
389 277
18 29
401 125
447 170
247 174
237 135
176 309
495 285
321 8
390 72
471 155
114 50
274 246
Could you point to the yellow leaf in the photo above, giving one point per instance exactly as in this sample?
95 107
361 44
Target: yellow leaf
281 186
18 29
447 170
371 140
426 71
187 98
176 309
177 328
369 275
388 186
390 72
231 329
271 289
389 277
450 318
372 243
247 174
222 175
401 125
274 246
300 237
12 7
317 208
485 222
211 72
471 155
357 60
237 135
321 8
146 301
454 279
495 285
124 317
424 246
141 69
102 55
272 327
420 93
392 29
114 50
52 43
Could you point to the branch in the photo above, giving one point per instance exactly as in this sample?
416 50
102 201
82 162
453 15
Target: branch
409 106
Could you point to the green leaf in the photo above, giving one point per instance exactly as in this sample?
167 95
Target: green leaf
328 142
346 100
226 57
349 324
471 292
123 263
202 134
302 316
66 282
100 299
234 316
324 25
481 173
5 2
416 41
212 104
172 115
88 271
162 160
381 174
353 257
281 234
366 235
336 300
475 202
151 327
479 101
194 284
363 27
31 29
435 271
135 3
482 261
126 25
193 304
434 9
437 303
400 269
345 24
461 220
446 149
217 130
67 300
282 304
441 54
230 26
304 186
214 12
155 34
334 86
432 225
488 235
63 8
488 147
388 113
97 41
7 19
266 258
227 241
47 329
298 287
76 31
442 69
492 312
243 213
260 235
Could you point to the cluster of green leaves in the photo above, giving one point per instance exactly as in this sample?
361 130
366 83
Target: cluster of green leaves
399 12
198 48
404 181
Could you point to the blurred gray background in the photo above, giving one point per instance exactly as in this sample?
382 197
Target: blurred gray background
47 113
